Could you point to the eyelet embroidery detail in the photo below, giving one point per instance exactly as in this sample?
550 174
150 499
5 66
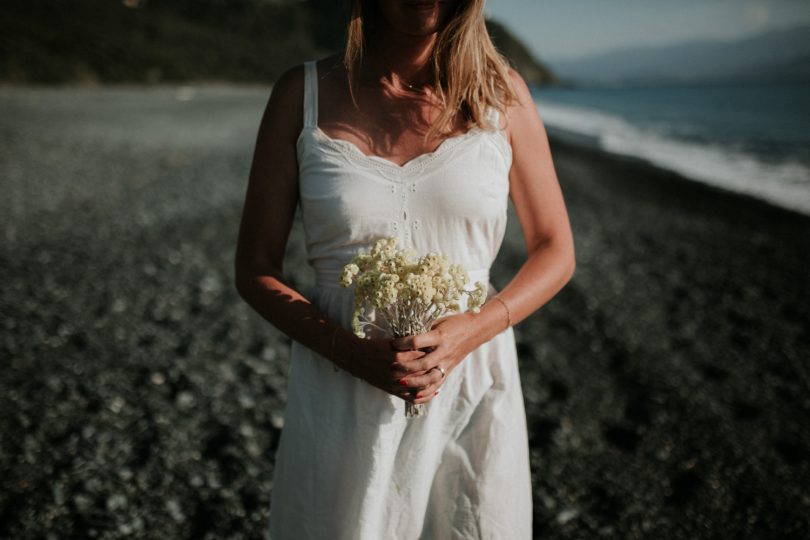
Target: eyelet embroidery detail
421 161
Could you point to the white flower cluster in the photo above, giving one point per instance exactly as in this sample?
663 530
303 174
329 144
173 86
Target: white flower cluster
409 293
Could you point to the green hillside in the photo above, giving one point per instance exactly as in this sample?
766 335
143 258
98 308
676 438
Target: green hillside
533 71
96 41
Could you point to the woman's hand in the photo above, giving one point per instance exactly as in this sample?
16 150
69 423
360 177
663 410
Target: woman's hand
378 363
449 341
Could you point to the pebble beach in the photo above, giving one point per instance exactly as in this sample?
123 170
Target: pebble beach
667 387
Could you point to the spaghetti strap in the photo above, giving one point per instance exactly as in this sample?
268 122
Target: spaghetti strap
310 94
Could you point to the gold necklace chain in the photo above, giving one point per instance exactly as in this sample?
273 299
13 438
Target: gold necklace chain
412 87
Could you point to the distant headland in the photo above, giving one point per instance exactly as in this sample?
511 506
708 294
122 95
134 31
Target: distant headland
143 41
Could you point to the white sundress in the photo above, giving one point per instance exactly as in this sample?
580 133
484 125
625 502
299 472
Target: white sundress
349 464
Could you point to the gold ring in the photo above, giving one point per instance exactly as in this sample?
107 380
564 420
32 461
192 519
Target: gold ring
440 369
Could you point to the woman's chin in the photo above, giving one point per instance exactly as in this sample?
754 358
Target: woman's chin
418 18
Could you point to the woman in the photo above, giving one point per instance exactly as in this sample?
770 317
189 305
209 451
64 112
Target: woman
420 131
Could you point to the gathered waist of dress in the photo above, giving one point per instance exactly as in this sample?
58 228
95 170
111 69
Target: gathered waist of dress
329 276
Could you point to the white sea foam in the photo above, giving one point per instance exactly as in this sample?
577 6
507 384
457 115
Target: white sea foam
785 183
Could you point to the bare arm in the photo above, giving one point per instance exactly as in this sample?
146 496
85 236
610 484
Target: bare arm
538 201
267 217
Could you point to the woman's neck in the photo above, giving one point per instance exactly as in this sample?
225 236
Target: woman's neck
398 57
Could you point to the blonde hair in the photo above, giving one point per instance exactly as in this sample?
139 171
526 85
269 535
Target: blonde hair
469 74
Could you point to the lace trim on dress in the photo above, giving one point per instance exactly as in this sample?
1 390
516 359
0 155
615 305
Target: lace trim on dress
352 151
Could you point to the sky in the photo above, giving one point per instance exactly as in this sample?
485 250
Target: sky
567 29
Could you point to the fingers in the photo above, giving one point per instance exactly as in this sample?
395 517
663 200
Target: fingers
404 357
410 368
415 395
424 381
419 387
411 374
400 370
403 364
425 396
416 341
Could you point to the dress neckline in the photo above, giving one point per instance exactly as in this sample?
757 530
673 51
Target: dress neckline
415 162
351 151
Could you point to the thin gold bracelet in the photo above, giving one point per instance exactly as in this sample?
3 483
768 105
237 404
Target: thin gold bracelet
332 350
508 314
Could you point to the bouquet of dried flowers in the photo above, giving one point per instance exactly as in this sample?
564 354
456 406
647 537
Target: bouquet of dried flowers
401 294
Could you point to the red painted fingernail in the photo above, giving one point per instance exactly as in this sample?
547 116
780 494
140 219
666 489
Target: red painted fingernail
418 395
403 382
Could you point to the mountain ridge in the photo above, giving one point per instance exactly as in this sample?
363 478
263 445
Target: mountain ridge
776 56
151 41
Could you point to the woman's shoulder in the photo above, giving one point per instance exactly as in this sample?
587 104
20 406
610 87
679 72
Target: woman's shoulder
523 110
290 84
284 110
331 62
285 106
521 90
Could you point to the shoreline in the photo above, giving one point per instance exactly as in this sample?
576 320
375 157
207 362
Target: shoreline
668 180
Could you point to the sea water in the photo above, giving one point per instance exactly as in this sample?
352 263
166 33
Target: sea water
749 139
